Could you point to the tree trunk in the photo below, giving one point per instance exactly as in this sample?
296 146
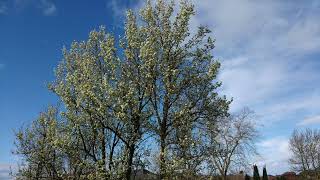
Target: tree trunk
111 157
163 136
162 158
224 177
129 162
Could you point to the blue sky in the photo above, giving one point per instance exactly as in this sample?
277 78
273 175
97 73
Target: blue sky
269 52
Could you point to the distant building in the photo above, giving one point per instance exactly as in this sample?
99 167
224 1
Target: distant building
270 177
290 176
286 176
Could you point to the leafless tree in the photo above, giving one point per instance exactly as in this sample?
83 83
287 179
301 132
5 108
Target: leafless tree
305 149
232 142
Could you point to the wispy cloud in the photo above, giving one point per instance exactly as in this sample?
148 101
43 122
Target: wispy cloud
310 121
2 66
47 7
265 49
5 170
3 8
275 154
119 7
268 52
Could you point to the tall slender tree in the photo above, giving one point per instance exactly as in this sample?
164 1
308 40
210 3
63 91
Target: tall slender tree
265 175
85 83
105 96
256 175
35 145
181 73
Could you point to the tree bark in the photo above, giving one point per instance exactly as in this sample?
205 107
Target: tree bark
162 157
163 136
129 162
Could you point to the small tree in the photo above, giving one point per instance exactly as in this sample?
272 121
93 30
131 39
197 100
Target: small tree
41 160
256 175
231 141
265 175
305 150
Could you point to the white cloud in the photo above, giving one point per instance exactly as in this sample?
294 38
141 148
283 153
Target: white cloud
5 170
119 8
3 8
268 52
262 46
286 114
241 24
270 83
48 7
274 153
310 120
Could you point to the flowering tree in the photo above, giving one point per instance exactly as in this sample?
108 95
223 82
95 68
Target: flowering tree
158 80
181 77
36 146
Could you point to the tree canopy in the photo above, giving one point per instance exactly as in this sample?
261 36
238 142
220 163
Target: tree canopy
156 84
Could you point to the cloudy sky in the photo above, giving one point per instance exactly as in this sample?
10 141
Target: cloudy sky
269 51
